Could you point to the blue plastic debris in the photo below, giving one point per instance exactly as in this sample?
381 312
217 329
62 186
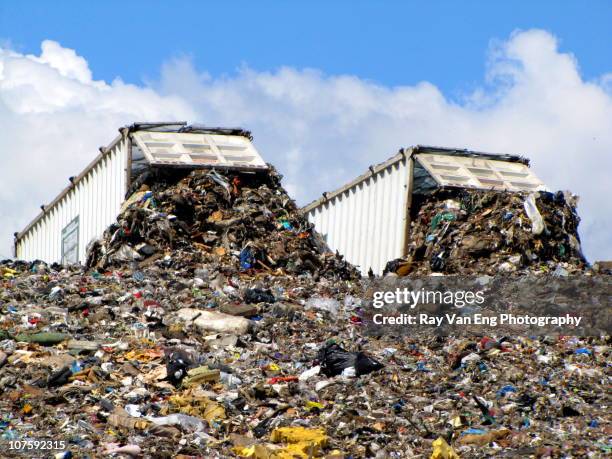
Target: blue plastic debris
397 407
526 422
246 258
472 431
421 367
506 390
75 367
583 350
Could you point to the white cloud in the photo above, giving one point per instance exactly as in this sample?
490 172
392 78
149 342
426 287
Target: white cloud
320 130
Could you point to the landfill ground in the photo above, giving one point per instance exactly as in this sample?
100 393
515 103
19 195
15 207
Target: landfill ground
210 321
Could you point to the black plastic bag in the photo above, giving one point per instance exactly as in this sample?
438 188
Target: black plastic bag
178 362
393 265
365 364
60 377
257 295
334 359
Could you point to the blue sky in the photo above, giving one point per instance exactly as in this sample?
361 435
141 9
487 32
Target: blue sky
327 88
392 42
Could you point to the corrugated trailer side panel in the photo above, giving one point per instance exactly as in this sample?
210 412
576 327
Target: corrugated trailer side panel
95 199
366 222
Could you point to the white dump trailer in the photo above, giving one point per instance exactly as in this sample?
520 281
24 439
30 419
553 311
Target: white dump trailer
368 219
92 199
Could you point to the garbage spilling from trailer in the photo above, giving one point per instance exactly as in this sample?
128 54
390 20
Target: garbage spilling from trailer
462 231
211 321
239 221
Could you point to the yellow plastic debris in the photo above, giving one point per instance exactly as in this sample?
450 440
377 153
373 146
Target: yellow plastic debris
198 406
244 451
199 375
145 355
268 451
8 273
301 441
298 442
299 434
442 450
309 405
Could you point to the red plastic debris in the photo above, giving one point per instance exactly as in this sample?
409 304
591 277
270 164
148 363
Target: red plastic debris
278 379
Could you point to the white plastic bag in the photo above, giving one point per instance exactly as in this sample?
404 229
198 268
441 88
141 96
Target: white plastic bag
323 303
537 222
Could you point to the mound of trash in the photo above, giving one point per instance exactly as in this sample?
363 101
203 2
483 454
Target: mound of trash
167 361
210 322
237 221
491 232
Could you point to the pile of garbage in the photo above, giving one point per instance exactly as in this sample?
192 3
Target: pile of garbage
166 362
239 220
210 322
491 232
